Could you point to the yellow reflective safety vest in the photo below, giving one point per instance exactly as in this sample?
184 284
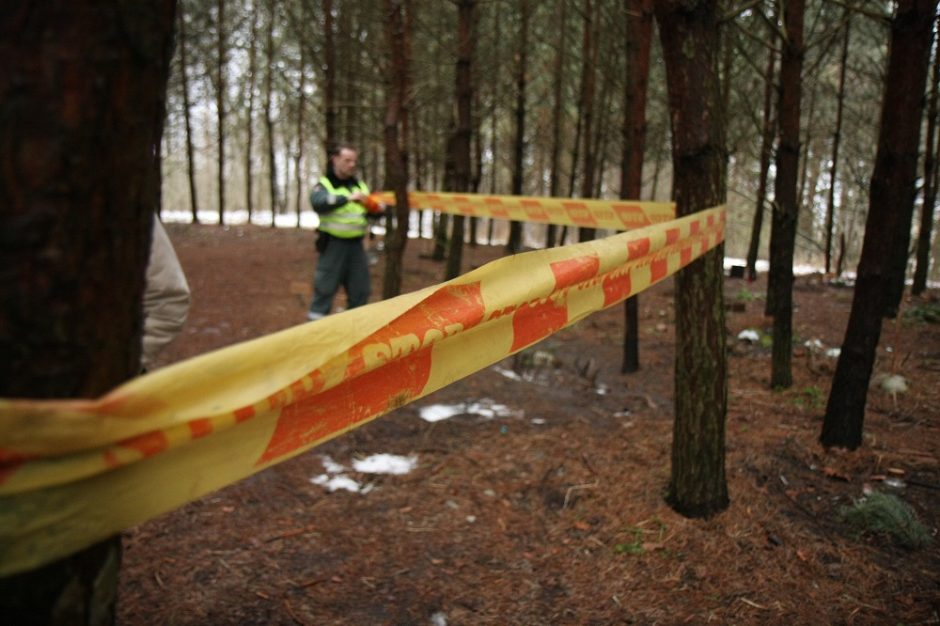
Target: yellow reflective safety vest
349 220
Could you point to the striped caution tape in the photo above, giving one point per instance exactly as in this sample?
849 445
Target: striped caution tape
614 215
73 472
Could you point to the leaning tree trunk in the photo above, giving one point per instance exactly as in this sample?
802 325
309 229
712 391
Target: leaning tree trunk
639 17
689 35
461 144
187 117
766 150
786 205
395 143
90 85
891 207
514 244
930 184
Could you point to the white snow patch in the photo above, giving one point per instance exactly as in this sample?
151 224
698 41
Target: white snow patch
510 374
749 334
439 619
833 353
331 466
484 408
340 481
385 464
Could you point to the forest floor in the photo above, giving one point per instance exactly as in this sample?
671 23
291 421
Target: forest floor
541 501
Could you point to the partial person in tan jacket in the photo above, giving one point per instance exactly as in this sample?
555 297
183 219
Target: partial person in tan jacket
166 297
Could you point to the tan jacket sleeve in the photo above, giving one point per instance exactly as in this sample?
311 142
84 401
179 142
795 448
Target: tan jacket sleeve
166 296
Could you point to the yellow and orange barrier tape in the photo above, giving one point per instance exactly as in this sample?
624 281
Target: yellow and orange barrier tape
609 214
73 472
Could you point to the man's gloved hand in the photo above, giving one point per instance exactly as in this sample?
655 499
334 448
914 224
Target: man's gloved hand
373 205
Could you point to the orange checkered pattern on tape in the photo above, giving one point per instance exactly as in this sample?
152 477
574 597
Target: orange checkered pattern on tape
609 214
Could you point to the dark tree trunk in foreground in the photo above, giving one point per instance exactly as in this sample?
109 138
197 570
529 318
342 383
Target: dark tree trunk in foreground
187 117
514 244
396 140
689 35
930 184
464 130
639 16
786 203
891 206
87 81
766 151
900 254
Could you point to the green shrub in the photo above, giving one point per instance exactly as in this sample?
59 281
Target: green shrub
885 514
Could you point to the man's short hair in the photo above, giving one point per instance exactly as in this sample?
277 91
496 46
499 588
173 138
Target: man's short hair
336 148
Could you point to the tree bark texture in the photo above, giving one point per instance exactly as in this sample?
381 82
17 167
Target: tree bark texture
329 76
904 204
557 112
82 103
463 90
250 113
514 244
588 64
786 202
639 18
836 140
220 104
892 194
396 141
187 117
268 119
766 151
689 36
930 184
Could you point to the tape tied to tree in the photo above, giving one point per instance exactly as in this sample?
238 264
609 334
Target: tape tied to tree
73 472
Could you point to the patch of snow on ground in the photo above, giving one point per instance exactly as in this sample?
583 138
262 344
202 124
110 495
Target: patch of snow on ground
484 408
385 464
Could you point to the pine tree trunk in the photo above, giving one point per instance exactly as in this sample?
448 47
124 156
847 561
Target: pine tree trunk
891 207
514 244
187 117
931 148
90 88
786 205
220 105
250 113
463 89
689 35
329 76
397 37
639 18
766 150
836 140
557 109
268 120
588 63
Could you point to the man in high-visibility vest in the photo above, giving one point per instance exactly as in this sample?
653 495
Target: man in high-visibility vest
342 202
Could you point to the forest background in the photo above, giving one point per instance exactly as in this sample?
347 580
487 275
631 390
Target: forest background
257 88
